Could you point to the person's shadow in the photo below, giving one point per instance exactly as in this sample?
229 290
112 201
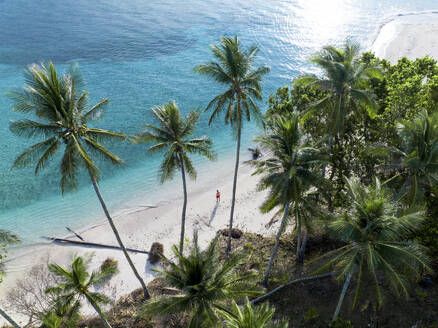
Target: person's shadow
213 213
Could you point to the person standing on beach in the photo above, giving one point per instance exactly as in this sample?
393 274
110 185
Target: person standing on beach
218 196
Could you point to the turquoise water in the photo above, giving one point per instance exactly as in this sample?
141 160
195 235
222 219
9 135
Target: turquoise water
140 53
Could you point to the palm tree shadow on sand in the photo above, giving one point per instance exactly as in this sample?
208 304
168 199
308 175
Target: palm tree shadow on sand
213 213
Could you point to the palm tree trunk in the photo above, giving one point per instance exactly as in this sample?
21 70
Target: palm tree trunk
119 240
99 312
303 246
320 276
277 242
183 216
341 298
299 258
236 168
9 319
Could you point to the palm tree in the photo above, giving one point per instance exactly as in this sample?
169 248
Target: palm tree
417 156
234 68
249 316
6 238
61 106
173 134
376 234
288 174
346 79
78 284
204 284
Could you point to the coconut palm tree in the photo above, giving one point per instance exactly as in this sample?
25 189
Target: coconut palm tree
78 284
376 233
234 68
417 157
6 238
60 105
288 173
346 79
249 316
173 135
204 283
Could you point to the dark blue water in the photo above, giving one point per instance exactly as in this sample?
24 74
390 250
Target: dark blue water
139 54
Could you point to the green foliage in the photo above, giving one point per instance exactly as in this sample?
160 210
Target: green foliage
346 80
234 68
60 105
173 135
428 235
205 284
310 315
292 167
340 323
376 232
77 284
6 238
250 316
401 94
416 160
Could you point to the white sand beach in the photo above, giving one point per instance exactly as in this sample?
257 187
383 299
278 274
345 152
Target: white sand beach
398 40
140 227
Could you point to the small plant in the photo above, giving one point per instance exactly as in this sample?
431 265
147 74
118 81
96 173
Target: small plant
421 294
310 315
339 323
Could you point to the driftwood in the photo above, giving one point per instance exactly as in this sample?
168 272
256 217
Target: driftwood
82 243
76 234
258 299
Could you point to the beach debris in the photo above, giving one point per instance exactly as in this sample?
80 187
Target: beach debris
88 244
156 252
235 233
76 234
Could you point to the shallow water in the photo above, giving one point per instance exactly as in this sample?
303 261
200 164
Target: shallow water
141 53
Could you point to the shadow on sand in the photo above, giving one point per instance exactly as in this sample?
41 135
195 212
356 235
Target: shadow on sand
213 213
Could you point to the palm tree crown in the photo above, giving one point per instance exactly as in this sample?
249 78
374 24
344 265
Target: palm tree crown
78 284
173 135
290 169
417 156
205 284
249 316
376 232
61 107
234 69
347 80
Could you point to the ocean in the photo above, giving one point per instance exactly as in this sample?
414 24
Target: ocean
140 53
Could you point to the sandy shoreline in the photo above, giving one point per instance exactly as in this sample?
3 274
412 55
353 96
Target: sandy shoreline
404 39
139 228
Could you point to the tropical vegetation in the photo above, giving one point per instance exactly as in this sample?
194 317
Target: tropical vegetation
204 283
348 157
173 135
78 284
288 173
61 107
